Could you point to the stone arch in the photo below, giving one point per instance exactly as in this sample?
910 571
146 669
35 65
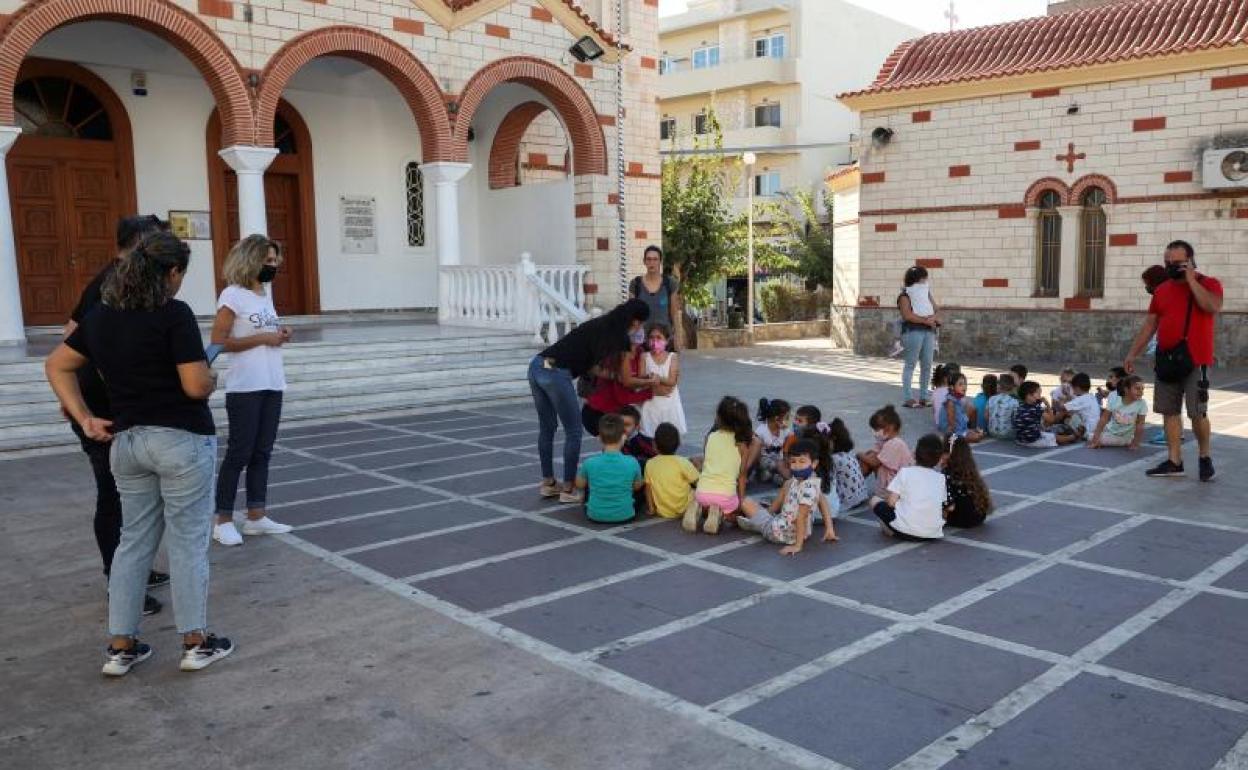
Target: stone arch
1041 186
393 61
589 147
1093 180
505 150
181 29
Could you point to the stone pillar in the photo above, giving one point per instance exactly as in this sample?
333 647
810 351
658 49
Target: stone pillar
1068 278
249 164
12 329
445 176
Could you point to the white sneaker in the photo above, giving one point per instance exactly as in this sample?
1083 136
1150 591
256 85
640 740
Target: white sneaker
227 534
897 349
264 526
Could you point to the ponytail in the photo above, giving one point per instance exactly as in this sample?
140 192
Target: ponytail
776 407
141 280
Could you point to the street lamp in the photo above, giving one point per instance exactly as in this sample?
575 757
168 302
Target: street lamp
750 159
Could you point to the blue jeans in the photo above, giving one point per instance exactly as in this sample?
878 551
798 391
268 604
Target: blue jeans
554 396
918 345
254 418
164 476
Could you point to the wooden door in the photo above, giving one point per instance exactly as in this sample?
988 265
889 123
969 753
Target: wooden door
281 199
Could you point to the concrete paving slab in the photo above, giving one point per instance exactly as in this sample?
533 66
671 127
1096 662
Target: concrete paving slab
390 498
1236 579
584 621
416 556
345 436
1166 549
670 537
450 466
684 590
477 432
299 491
429 418
989 460
1042 527
526 499
421 454
387 526
1112 457
527 472
764 558
799 625
1039 477
347 451
321 429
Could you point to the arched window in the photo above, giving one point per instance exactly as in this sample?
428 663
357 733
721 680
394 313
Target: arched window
1048 245
284 136
1092 243
414 187
59 107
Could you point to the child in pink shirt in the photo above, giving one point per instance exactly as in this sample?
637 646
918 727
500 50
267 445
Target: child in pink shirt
890 454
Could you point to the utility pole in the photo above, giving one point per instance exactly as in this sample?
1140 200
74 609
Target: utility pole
952 16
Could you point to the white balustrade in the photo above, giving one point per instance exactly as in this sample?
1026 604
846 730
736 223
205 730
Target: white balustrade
548 299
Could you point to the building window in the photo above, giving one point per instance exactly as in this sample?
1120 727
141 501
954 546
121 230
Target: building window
667 128
414 184
706 57
1048 245
769 47
767 184
701 124
667 65
1092 243
767 115
60 108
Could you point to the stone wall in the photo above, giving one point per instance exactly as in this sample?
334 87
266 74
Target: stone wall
709 339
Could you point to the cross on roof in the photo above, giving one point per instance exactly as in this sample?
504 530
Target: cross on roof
1070 157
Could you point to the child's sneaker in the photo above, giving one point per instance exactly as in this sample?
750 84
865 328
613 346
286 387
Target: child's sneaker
204 654
120 662
714 516
693 512
897 349
571 497
265 526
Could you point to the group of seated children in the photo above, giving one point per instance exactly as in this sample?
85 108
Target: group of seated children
1011 407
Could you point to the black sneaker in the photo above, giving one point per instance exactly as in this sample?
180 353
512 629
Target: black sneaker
157 579
1206 469
1165 470
207 652
120 662
151 605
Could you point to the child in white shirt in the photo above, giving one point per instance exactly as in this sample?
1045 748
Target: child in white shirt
770 434
913 507
1083 411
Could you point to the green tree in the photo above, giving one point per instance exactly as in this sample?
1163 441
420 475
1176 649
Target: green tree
810 242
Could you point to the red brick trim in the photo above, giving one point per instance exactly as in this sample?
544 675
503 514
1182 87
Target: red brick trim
589 146
1241 213
922 116
886 227
1124 239
649 63
956 172
583 210
505 149
637 171
1027 146
410 26
1011 212
606 120
498 30
1176 177
996 283
1229 81
931 263
1041 186
873 177
178 27
641 235
604 244
1042 93
613 199
418 88
540 13
221 9
1087 181
583 70
1009 208
1148 124
538 159
1077 303
855 222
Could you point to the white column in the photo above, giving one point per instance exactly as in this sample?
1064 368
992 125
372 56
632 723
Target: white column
249 164
12 330
445 176
1068 279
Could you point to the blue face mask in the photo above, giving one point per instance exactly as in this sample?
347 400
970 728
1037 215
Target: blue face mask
637 337
803 474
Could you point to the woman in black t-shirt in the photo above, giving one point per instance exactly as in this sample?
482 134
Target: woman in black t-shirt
150 354
552 379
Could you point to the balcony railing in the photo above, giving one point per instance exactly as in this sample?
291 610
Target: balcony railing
727 75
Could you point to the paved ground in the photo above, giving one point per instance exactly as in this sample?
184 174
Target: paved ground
431 611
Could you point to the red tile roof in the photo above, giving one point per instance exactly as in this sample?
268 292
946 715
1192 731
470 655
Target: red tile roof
1112 33
458 5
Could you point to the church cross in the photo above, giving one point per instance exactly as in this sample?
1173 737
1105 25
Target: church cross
1070 157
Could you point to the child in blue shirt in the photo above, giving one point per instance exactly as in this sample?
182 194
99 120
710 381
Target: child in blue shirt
612 478
988 390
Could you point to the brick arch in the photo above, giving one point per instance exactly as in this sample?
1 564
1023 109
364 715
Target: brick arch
393 61
1041 186
1093 180
505 150
589 147
176 26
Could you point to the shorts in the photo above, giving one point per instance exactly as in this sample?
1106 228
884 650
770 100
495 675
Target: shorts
1047 440
1111 439
725 503
887 515
1172 398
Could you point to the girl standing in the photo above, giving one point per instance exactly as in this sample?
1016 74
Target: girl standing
967 501
722 484
247 328
662 364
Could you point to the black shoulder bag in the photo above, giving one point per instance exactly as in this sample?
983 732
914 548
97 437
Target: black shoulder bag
1175 363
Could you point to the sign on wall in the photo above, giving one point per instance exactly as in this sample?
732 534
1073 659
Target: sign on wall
191 225
358 214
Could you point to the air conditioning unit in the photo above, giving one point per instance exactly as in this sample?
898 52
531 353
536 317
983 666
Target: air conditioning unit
1226 168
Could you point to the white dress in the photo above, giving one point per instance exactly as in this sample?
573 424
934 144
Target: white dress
661 409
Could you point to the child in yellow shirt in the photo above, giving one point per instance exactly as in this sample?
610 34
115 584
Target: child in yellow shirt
669 477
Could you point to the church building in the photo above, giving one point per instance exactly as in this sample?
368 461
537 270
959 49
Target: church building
1036 168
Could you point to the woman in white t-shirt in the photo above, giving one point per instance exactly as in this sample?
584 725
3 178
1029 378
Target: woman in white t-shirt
247 328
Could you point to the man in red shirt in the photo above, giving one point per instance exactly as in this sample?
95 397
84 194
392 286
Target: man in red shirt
1168 317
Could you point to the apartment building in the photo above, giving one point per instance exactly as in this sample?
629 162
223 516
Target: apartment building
771 70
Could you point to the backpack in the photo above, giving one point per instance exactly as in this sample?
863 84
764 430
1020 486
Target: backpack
635 286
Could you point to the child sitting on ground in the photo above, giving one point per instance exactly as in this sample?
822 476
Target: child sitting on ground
1001 408
767 451
988 389
954 418
1083 411
806 416
722 483
1020 376
1063 392
669 477
851 486
890 453
1033 418
788 520
611 477
967 501
1122 422
940 390
1110 392
636 444
913 505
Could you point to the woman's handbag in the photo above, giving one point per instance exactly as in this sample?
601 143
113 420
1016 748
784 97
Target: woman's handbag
1175 363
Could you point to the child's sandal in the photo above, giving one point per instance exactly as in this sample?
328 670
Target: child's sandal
912 404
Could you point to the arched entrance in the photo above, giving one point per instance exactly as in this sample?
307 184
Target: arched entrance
71 176
289 206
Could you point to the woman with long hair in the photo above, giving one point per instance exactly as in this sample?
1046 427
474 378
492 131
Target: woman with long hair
919 322
150 354
552 380
247 328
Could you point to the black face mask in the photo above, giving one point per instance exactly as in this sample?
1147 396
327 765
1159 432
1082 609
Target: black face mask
267 273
